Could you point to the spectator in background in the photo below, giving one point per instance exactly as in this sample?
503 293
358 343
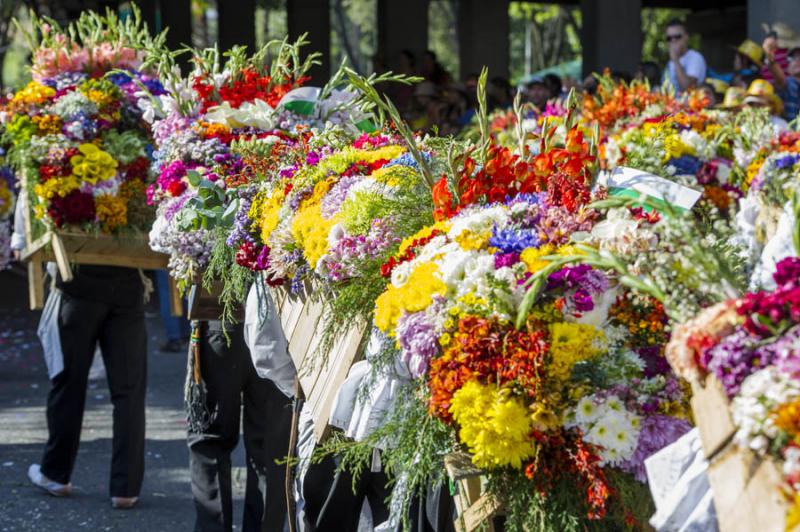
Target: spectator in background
538 93
715 90
433 71
786 39
554 85
761 94
651 72
499 93
686 68
747 60
788 86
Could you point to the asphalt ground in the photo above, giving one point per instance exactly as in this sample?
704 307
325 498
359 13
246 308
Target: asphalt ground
165 503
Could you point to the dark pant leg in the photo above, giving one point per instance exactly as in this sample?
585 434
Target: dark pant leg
377 494
79 323
267 424
342 508
123 342
210 450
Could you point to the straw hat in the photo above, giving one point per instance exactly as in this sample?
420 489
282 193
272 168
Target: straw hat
787 37
718 85
734 97
752 51
761 92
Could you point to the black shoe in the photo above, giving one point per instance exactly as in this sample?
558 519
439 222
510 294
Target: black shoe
172 346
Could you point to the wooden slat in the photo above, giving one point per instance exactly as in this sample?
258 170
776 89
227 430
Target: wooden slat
36 285
479 515
62 261
175 299
712 416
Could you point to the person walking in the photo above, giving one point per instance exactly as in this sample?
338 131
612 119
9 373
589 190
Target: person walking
686 68
101 305
224 388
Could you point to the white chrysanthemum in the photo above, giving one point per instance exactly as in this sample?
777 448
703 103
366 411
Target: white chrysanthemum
478 221
586 411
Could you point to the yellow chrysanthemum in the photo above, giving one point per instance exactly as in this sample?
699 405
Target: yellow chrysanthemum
33 93
6 197
100 98
56 186
265 209
494 427
310 230
93 164
674 148
47 124
112 211
571 343
793 515
386 152
532 257
415 295
473 241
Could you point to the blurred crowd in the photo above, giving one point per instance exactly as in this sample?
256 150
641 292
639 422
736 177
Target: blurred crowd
765 74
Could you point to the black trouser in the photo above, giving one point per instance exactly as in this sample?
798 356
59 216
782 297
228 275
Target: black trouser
120 330
336 507
232 385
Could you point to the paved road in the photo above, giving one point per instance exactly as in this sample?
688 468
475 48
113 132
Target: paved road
165 503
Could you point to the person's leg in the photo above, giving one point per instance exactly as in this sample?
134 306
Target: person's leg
342 507
267 424
377 492
123 343
210 446
79 323
175 327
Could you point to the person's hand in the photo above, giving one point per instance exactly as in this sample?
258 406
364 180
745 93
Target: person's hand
17 254
674 51
770 46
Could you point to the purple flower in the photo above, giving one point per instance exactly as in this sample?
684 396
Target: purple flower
505 260
734 359
418 342
333 200
657 432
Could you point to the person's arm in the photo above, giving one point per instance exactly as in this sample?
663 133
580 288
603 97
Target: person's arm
685 81
770 46
18 236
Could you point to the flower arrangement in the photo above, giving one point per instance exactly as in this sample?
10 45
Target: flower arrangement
75 132
751 345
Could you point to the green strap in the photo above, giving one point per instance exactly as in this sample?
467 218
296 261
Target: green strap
301 107
631 193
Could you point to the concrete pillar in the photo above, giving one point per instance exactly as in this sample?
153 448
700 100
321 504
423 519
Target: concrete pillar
611 35
720 31
237 24
402 25
176 16
483 37
312 17
771 11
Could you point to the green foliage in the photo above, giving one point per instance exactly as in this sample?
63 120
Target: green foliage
409 435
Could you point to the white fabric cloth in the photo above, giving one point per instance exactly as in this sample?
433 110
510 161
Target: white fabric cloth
678 480
693 64
49 335
263 334
780 246
366 396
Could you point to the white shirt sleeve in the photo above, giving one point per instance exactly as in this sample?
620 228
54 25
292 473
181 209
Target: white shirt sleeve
694 65
267 343
18 236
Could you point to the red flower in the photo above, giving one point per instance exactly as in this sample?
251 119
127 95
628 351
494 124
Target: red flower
75 208
442 200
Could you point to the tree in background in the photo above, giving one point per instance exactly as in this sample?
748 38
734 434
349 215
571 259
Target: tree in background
542 35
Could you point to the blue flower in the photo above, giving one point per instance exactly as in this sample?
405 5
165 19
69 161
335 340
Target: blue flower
787 161
685 165
514 240
408 160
